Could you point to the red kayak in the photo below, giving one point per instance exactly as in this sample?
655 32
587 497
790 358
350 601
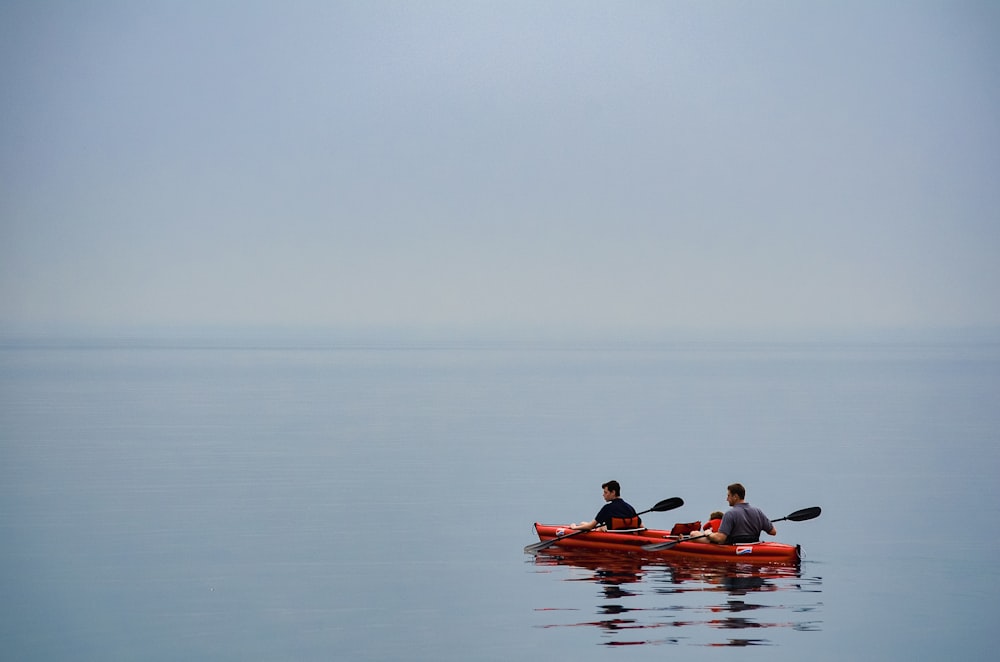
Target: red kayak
632 542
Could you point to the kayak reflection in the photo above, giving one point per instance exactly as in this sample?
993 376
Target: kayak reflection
687 602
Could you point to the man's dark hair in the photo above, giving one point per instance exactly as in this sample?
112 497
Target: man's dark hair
613 486
738 490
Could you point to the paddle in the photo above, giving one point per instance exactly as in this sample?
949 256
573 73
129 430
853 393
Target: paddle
801 515
663 506
797 516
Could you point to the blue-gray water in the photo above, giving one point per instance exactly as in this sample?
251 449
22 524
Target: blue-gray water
238 503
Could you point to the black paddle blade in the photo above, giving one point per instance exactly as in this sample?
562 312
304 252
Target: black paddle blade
667 504
802 515
537 547
545 544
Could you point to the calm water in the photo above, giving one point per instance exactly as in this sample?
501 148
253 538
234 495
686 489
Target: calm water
372 504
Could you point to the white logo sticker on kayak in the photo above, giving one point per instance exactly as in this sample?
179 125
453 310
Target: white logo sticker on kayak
744 550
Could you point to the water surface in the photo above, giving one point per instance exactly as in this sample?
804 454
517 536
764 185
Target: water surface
306 503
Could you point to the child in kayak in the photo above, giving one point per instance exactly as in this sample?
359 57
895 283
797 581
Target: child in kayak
714 520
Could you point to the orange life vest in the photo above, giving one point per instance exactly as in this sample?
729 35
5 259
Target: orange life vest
713 524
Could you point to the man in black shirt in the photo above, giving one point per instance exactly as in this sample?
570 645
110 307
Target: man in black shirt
615 512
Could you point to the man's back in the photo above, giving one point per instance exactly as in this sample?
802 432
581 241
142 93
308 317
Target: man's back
743 523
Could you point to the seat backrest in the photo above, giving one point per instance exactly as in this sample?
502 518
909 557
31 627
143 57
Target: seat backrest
625 523
682 529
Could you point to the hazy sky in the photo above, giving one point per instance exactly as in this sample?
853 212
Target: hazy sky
609 166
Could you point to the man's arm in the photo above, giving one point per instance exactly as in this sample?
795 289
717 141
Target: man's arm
716 537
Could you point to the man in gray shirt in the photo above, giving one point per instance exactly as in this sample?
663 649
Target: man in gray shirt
742 523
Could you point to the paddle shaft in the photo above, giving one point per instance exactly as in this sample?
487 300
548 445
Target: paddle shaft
655 547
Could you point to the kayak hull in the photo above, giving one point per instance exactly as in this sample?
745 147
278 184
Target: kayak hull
631 542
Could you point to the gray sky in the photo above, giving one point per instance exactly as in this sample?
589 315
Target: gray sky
593 166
